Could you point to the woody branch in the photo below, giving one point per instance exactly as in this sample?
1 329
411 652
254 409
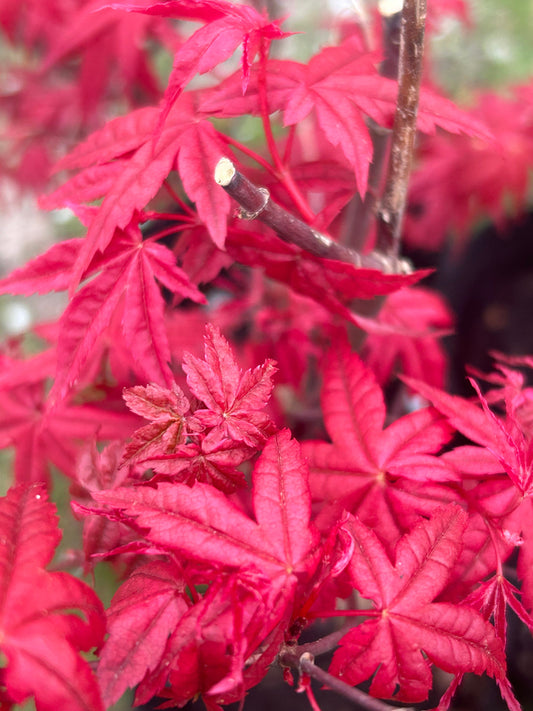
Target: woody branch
255 203
392 206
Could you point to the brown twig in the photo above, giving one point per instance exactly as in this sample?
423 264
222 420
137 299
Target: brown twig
325 644
306 665
390 213
255 203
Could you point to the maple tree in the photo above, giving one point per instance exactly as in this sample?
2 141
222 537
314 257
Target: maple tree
246 391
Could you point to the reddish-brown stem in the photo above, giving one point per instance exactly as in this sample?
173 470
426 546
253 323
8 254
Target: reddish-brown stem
284 174
324 644
305 664
392 207
250 153
256 204
174 195
344 613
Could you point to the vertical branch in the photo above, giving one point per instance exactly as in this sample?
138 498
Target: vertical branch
391 211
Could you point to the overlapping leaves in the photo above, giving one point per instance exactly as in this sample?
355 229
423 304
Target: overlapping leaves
278 549
371 470
41 633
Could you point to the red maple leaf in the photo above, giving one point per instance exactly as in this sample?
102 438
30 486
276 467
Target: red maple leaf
33 22
491 599
205 525
142 615
125 283
99 471
366 467
233 400
329 282
228 25
211 650
280 550
216 463
177 444
41 432
129 172
407 630
166 409
75 60
106 44
40 634
504 438
341 85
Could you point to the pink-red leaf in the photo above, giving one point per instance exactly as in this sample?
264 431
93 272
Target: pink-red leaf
408 625
204 524
364 466
40 635
233 399
143 614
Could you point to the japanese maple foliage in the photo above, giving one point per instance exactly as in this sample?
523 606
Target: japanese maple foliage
246 390
391 643
41 636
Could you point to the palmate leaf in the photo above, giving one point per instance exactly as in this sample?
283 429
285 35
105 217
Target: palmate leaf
461 179
205 525
142 615
262 563
366 467
192 146
217 465
41 433
408 630
424 358
211 650
127 276
233 399
166 408
340 85
228 25
40 635
505 438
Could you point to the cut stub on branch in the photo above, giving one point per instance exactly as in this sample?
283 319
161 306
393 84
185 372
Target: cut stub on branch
255 203
307 261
